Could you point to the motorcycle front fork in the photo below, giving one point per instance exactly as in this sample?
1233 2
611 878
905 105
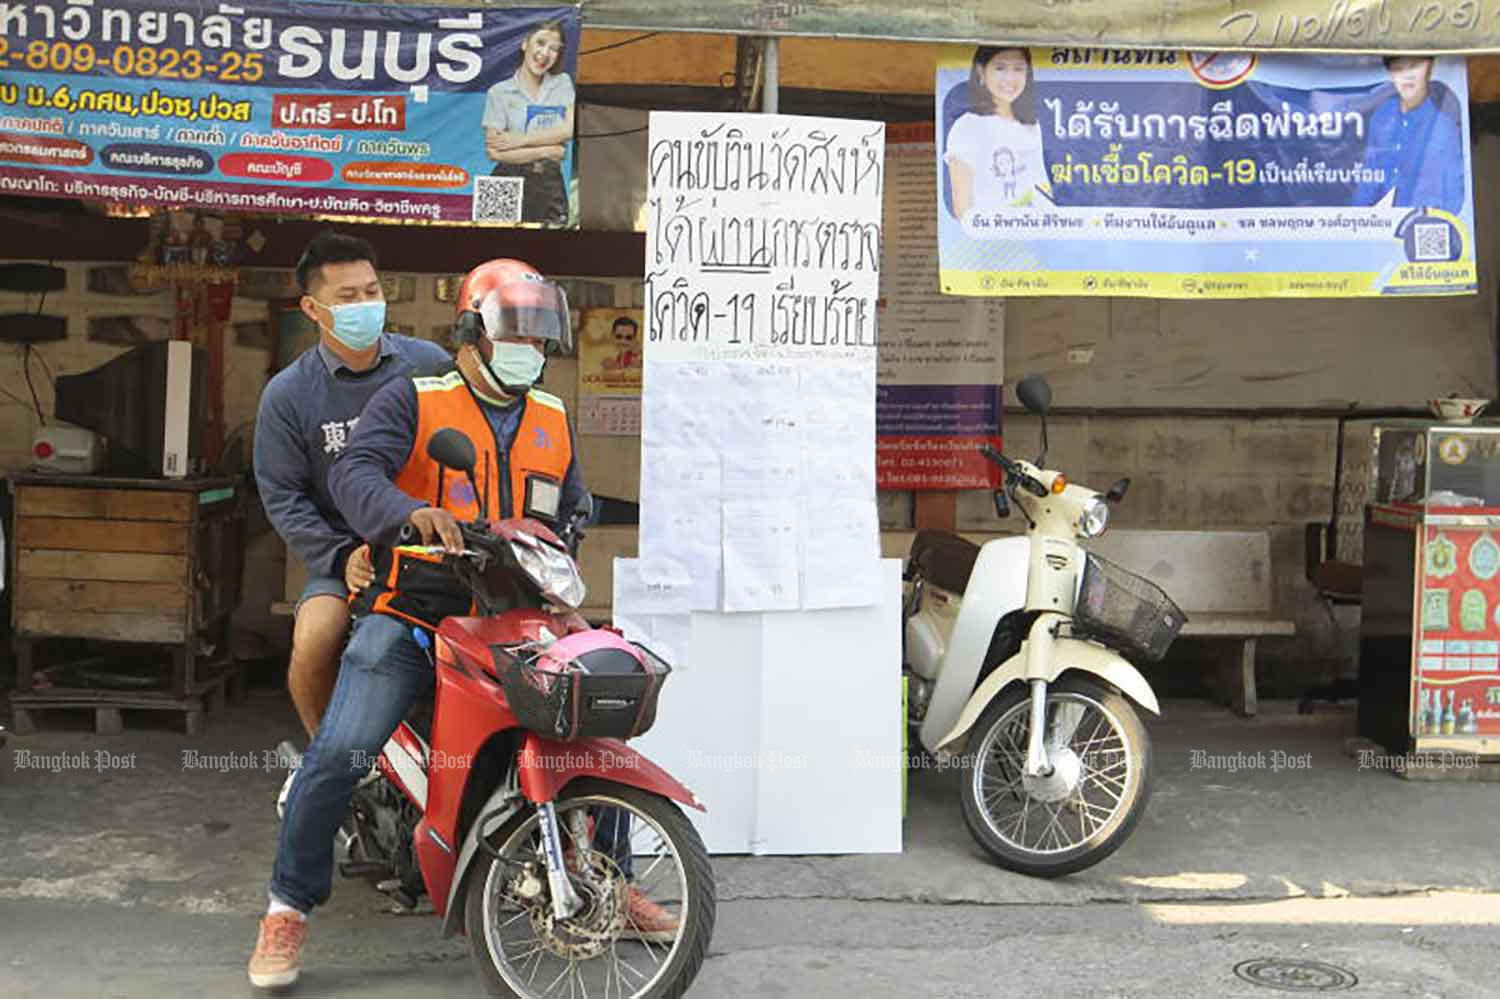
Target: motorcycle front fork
565 900
1039 741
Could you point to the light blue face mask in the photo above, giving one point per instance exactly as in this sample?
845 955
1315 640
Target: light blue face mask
516 365
357 325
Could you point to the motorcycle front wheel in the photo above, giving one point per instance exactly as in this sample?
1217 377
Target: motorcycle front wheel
1072 819
522 951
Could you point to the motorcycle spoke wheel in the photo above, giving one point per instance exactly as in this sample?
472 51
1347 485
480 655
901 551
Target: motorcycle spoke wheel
588 955
1047 826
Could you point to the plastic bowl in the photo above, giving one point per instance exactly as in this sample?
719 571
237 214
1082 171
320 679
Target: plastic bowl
1457 410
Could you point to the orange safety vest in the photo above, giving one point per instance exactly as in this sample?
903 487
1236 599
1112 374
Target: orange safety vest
542 450
417 587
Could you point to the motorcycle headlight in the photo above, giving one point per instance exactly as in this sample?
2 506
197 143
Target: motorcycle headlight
552 571
1094 520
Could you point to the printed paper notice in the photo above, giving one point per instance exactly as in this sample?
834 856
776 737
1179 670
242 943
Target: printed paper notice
761 556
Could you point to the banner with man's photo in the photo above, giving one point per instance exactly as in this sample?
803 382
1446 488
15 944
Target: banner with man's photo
1202 175
305 108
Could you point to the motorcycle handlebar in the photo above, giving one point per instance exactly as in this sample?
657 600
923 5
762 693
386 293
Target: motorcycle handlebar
408 536
1013 471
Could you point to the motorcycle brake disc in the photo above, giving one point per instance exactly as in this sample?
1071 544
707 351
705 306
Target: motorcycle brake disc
589 932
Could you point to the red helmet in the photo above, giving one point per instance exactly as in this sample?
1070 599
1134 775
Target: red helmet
511 300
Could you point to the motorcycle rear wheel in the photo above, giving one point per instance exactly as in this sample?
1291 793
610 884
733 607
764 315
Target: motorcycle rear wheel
1079 821
687 891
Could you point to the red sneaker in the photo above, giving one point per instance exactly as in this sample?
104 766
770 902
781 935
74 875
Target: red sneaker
276 962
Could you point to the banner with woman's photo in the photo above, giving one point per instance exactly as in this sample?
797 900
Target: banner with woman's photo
1202 175
432 113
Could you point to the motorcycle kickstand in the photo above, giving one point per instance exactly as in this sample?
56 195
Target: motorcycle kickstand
404 902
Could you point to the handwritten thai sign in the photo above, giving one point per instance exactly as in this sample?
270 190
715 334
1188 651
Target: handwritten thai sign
1202 175
402 112
1383 26
762 242
763 248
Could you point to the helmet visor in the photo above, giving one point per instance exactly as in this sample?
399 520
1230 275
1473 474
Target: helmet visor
528 310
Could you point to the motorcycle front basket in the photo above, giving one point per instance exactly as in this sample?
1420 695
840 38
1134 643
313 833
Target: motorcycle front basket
1124 610
611 695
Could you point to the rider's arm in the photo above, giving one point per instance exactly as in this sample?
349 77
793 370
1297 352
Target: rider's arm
284 479
573 489
362 480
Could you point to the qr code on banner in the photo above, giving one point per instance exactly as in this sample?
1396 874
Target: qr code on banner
498 199
1431 241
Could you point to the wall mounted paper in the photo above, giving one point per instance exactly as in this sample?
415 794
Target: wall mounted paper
652 587
762 271
761 556
840 552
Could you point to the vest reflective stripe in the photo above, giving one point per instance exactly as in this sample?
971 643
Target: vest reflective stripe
542 446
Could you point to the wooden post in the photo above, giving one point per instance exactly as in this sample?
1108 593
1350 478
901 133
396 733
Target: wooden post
936 511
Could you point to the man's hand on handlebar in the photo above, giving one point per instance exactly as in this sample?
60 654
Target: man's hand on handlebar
438 527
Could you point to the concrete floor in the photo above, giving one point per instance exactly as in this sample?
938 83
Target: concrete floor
147 876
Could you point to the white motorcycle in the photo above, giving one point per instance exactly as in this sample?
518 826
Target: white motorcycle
1021 645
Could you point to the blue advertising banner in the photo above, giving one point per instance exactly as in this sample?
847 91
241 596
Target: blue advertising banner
1203 175
400 112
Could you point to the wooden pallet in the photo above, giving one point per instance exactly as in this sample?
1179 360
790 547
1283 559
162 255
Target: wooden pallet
222 685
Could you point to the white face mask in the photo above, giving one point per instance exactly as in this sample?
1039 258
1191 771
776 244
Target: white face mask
516 365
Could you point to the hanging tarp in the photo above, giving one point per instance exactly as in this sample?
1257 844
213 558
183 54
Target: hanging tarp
1384 26
407 112
1203 175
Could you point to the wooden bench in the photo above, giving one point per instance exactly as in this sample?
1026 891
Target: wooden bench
1221 579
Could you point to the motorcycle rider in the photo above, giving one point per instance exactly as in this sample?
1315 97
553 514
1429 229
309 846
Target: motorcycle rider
305 415
509 314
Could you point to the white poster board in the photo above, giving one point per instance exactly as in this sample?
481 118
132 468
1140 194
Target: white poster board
788 727
759 539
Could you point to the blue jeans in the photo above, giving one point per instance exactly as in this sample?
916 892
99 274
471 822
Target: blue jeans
322 586
382 673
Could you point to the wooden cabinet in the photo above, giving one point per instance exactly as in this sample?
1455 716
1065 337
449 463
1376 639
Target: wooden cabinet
127 560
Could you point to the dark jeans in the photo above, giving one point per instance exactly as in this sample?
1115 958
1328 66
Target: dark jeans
544 195
383 672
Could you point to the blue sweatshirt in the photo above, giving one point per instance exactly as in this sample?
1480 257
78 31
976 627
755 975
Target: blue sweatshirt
307 413
362 481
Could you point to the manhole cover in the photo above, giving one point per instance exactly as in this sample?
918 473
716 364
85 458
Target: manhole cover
1295 976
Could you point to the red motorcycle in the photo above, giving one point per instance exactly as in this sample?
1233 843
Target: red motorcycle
518 809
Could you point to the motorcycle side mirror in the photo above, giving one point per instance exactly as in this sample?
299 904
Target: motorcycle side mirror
1002 504
1035 394
1117 491
453 449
